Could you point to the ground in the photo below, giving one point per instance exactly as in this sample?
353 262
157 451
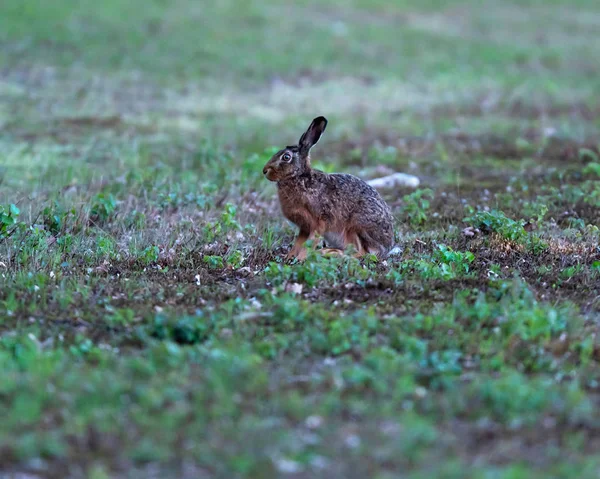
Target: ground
149 326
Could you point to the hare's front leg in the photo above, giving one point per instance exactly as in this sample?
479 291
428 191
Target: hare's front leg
298 251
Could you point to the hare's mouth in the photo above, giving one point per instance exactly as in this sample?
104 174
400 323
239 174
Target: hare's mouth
270 174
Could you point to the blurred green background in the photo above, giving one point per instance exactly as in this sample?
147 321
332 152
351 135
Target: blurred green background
147 325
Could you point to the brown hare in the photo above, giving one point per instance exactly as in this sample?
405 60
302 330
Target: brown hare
342 208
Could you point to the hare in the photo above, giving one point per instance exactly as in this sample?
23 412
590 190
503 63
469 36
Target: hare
341 207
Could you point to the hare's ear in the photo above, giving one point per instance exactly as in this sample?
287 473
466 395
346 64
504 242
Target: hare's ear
312 135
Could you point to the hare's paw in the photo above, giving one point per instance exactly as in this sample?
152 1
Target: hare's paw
302 255
296 254
332 252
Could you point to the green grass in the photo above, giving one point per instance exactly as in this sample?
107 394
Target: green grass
149 326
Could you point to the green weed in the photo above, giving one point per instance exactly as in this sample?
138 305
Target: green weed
416 206
8 219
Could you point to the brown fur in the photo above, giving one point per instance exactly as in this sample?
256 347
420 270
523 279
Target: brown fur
341 207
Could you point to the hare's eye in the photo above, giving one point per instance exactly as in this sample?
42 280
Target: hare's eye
287 157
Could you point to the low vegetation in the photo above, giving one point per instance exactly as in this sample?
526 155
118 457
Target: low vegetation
149 326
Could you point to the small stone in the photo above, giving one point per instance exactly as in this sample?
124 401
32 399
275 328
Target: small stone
313 422
420 392
352 441
469 231
287 466
295 288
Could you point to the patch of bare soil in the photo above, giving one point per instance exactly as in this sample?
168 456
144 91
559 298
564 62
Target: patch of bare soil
544 270
518 109
65 131
492 443
501 147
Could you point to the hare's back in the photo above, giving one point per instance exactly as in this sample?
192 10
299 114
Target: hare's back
351 189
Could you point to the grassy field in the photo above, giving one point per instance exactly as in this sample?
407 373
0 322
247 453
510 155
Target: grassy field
149 326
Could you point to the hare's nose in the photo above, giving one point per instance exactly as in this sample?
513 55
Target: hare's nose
266 170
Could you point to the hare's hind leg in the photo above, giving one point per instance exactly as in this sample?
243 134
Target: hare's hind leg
371 245
353 238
